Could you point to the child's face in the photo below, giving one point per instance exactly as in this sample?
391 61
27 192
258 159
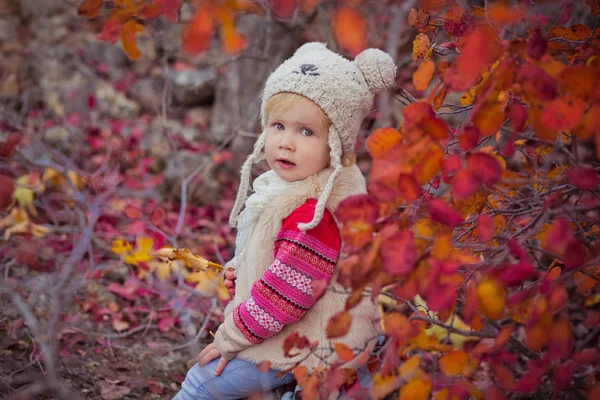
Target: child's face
296 145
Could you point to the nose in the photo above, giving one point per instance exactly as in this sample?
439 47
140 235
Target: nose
286 141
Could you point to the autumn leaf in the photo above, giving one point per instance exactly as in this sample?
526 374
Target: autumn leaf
343 352
432 6
502 14
7 148
7 187
284 8
198 32
490 297
350 30
339 324
111 30
421 45
485 227
458 22
423 74
90 8
442 212
381 140
398 326
356 215
169 9
563 113
128 34
489 119
418 19
454 362
415 389
398 253
584 178
485 168
518 116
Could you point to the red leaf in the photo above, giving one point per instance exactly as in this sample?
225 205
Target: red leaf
199 31
398 254
294 340
575 254
530 381
516 274
485 168
165 324
450 165
7 187
561 339
485 227
284 8
536 46
356 214
132 212
537 83
155 387
584 178
111 30
415 112
518 116
157 216
563 113
150 11
169 9
464 184
458 22
562 377
408 187
8 147
559 236
441 212
443 298
469 138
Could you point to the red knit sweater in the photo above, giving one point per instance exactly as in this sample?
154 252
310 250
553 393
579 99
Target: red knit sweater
285 292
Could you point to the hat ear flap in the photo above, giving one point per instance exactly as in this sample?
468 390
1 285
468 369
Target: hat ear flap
377 67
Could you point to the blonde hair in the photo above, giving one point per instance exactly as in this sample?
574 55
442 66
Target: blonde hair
282 102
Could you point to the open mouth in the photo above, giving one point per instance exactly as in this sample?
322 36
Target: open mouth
285 163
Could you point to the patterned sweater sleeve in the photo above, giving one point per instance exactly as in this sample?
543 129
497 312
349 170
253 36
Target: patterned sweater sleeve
285 291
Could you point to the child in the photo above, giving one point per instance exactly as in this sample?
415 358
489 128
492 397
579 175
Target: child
288 239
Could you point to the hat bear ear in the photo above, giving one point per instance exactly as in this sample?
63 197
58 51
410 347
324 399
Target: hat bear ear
312 46
377 67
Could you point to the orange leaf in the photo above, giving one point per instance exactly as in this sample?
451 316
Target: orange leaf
90 8
408 187
232 41
489 118
415 389
554 273
343 352
300 374
418 18
423 74
356 214
398 326
454 362
580 81
458 22
563 113
350 30
309 6
130 29
503 336
490 297
501 14
132 212
432 6
382 140
429 166
435 128
421 45
339 324
409 368
590 126
198 32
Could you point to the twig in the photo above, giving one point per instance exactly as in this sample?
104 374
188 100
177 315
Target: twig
201 330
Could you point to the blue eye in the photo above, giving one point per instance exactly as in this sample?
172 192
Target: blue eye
306 132
278 126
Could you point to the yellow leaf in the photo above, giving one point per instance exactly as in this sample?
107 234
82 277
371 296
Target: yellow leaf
24 193
423 74
421 45
120 246
141 253
381 386
409 369
416 389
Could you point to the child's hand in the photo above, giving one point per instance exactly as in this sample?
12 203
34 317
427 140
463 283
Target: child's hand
208 354
229 280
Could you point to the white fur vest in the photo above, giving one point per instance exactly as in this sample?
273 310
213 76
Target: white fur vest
259 256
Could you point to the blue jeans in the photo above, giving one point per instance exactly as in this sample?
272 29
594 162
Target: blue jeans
239 379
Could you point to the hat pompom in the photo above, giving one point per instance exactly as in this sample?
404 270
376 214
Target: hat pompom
377 67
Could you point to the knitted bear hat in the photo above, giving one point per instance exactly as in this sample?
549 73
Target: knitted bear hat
343 89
